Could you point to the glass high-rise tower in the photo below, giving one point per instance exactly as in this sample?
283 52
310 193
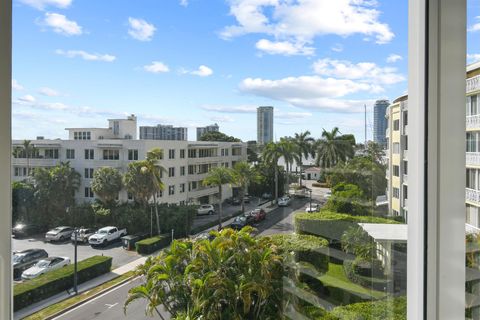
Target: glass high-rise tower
380 123
264 125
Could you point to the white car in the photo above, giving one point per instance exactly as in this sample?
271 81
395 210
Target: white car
328 194
284 201
45 265
105 235
59 234
206 209
315 207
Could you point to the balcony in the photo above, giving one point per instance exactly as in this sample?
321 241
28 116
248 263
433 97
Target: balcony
387 132
473 158
34 163
405 203
405 179
472 196
473 122
405 130
473 84
405 154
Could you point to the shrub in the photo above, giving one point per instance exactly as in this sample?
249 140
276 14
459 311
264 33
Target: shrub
306 248
150 245
356 241
51 283
384 309
331 225
354 269
347 198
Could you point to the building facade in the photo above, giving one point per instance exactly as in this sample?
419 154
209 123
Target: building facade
163 132
186 163
202 130
264 125
380 122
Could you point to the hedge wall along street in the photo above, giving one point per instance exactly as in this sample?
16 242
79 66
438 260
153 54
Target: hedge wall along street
331 225
51 283
153 244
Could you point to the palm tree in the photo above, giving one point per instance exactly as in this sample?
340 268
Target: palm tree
303 142
333 147
244 174
154 170
27 150
271 153
375 152
218 177
289 154
107 183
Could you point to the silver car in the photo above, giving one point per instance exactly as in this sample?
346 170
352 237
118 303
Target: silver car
59 234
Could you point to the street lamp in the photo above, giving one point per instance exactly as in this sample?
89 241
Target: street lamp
310 191
75 234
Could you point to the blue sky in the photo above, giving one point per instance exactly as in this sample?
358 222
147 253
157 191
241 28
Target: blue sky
195 62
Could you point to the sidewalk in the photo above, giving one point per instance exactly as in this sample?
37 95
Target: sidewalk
81 288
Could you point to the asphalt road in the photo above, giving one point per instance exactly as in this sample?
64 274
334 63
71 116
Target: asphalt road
110 305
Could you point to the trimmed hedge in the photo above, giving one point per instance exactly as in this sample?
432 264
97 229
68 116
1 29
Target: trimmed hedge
331 225
150 245
384 309
353 272
306 248
54 282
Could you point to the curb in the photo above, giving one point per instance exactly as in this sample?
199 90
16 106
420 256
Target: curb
79 303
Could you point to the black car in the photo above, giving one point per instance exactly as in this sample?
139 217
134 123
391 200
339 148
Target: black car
22 260
24 230
233 201
242 221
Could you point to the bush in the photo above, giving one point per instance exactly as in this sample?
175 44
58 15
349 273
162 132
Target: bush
347 198
331 225
153 244
383 309
306 248
365 275
54 282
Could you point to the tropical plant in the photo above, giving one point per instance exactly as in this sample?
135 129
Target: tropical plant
218 136
106 184
271 153
23 201
356 241
304 147
234 276
333 148
217 177
347 198
27 150
289 154
375 152
244 174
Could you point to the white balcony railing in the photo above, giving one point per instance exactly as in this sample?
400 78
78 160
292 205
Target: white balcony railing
387 132
405 154
473 158
472 195
473 122
405 179
405 130
405 203
473 84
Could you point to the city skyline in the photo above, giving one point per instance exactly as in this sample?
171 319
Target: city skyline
131 59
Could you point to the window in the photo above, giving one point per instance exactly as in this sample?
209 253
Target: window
472 181
182 153
51 153
129 196
171 154
192 153
396 171
191 169
171 172
88 173
182 188
132 154
20 171
88 192
70 154
182 170
82 135
396 125
111 154
396 193
396 148
405 167
472 105
171 190
89 154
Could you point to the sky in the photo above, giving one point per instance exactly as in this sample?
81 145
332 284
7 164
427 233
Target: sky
192 63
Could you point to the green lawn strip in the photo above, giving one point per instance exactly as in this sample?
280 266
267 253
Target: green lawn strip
62 305
335 277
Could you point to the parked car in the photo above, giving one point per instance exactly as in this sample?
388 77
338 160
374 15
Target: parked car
236 202
44 266
24 230
328 194
59 234
205 209
284 201
106 235
258 214
205 236
239 222
267 195
315 207
82 235
247 198
24 259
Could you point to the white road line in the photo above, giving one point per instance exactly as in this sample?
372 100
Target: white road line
96 298
110 306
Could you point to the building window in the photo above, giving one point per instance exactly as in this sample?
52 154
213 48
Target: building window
88 173
226 152
51 153
405 118
471 142
182 153
133 154
111 154
171 154
160 194
396 125
89 154
182 171
396 171
171 172
70 154
471 179
88 192
192 153
20 171
472 105
182 188
82 135
191 169
129 196
405 167
396 193
396 148
171 190
222 152
395 213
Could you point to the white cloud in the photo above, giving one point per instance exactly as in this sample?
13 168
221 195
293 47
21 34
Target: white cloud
284 48
338 47
231 109
16 86
475 27
202 71
156 67
42 4
48 92
292 115
140 29
222 119
304 20
86 55
473 57
365 71
60 24
28 99
184 3
394 58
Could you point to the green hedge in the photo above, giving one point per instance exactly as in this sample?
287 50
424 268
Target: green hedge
350 268
331 225
54 282
153 244
306 248
384 309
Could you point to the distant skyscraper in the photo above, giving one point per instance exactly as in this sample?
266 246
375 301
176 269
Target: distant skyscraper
211 128
264 125
163 132
380 122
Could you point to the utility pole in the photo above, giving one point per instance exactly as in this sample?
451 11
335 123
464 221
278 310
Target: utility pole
365 107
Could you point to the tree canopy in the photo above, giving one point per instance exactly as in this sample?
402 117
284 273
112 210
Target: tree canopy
218 136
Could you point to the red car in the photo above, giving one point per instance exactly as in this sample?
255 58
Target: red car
258 214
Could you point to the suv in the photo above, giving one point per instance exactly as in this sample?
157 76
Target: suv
22 260
24 230
59 234
82 235
314 207
205 209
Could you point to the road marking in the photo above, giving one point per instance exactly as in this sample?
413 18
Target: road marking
110 306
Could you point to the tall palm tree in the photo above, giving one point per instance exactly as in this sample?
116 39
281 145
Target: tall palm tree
154 170
106 184
27 150
304 147
271 153
244 174
289 154
333 148
218 177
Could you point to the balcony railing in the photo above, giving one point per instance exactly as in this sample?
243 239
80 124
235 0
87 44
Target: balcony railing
405 154
473 158
405 129
405 203
405 178
473 84
472 195
473 122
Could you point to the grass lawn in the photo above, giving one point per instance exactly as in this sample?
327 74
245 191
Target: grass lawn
335 277
54 308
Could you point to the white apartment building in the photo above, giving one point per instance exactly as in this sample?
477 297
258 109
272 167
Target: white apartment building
87 149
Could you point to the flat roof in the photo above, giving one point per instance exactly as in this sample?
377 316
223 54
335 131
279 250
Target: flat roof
386 231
